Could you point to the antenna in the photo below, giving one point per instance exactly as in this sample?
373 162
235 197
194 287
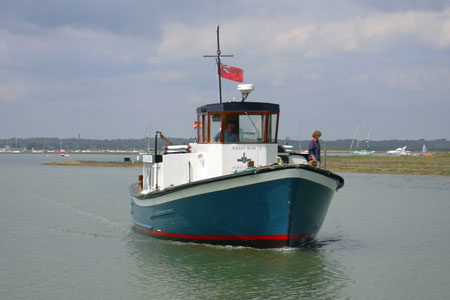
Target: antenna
218 56
148 137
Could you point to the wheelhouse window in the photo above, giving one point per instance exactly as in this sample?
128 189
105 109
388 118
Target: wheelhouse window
215 124
237 127
272 128
251 128
201 130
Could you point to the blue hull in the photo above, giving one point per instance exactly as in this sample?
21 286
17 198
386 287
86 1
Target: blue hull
276 213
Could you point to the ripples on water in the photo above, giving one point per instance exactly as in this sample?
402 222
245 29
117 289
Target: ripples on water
66 233
220 272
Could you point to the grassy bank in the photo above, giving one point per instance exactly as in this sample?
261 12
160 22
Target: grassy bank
438 164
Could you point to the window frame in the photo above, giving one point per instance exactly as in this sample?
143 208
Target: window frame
207 135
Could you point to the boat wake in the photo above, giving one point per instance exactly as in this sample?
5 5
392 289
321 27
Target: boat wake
108 225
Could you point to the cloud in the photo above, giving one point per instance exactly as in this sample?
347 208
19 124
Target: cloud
180 41
68 51
403 5
280 47
12 91
421 79
106 60
372 33
443 40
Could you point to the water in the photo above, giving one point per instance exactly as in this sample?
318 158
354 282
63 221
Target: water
66 233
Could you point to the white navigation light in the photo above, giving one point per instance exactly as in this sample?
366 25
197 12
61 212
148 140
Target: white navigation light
245 89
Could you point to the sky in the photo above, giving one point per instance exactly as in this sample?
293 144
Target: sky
108 69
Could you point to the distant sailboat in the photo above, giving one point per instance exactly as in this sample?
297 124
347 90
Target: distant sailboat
61 151
358 151
425 151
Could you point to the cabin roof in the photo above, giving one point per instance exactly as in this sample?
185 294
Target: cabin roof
238 106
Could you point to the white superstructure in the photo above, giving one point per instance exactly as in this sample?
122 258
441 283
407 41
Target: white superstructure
231 137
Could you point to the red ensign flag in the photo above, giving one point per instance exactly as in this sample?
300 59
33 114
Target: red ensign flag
231 73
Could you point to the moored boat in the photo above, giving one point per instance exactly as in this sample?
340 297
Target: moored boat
363 152
399 152
359 151
234 185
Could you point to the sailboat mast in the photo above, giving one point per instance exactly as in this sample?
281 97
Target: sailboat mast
357 137
218 56
353 139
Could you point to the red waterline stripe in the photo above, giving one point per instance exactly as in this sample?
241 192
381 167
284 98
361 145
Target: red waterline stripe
226 237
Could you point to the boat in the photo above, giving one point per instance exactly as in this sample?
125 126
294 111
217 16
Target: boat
363 152
399 152
36 151
425 151
63 153
358 151
246 192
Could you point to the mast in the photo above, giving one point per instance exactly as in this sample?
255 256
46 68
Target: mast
148 138
357 136
368 139
218 56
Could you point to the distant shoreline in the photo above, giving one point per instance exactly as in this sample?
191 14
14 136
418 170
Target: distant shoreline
128 145
94 163
438 164
72 153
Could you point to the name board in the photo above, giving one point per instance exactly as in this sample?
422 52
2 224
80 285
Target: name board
152 159
147 159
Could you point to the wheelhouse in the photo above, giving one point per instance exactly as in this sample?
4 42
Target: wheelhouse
252 122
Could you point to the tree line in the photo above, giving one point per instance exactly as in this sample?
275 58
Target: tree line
74 144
